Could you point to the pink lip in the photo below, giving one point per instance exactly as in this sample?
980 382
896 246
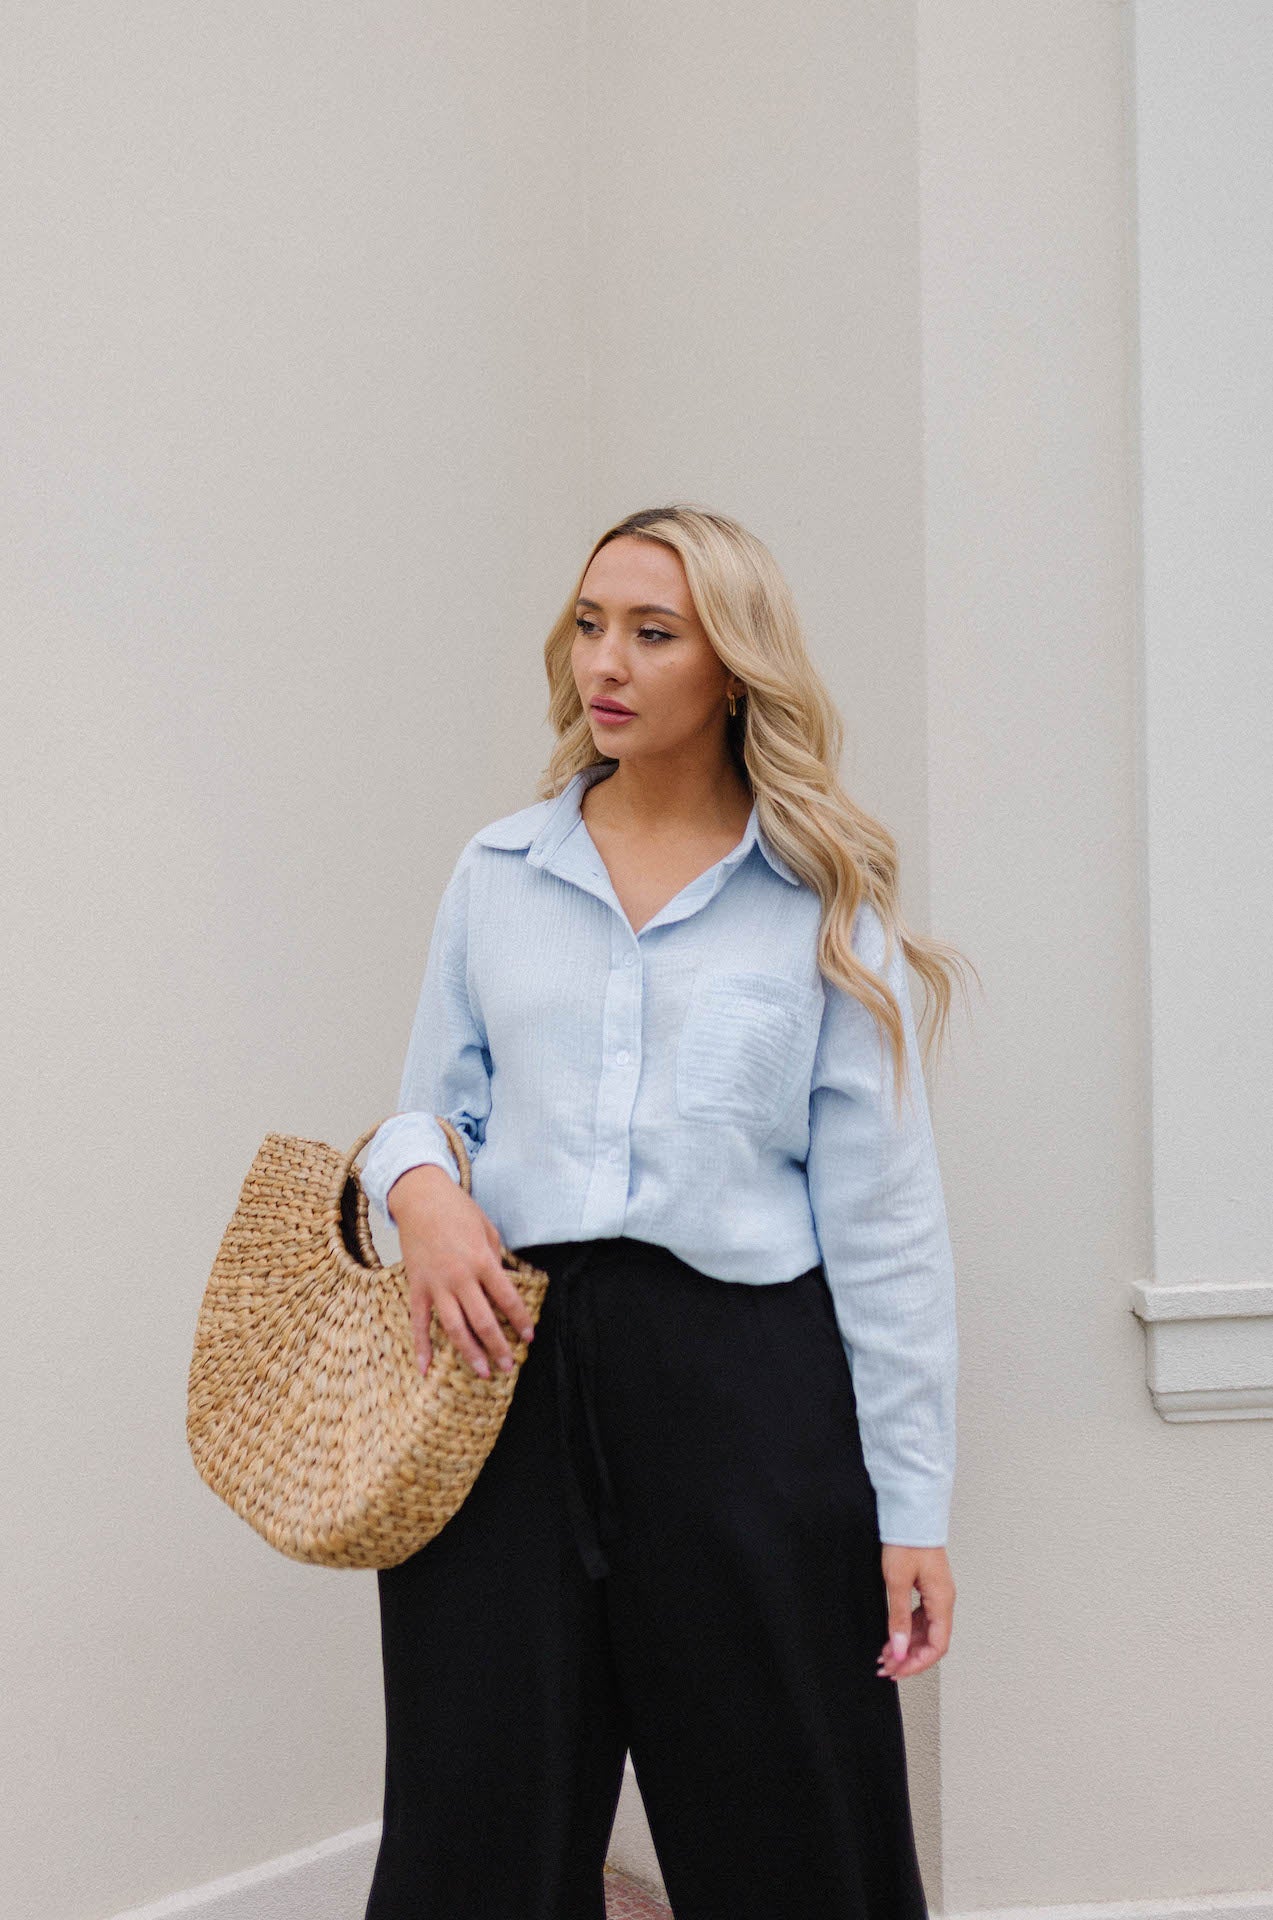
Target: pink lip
611 715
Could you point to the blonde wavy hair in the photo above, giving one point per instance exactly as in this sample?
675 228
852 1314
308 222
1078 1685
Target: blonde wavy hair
786 740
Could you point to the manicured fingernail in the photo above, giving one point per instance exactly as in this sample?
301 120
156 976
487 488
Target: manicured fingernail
898 1642
481 1368
506 1361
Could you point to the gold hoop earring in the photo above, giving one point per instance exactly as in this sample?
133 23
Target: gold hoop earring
732 708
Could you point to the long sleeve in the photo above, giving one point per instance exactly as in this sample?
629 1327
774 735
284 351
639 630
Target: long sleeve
880 1215
447 1068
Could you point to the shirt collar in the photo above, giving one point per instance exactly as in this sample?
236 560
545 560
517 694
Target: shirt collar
564 813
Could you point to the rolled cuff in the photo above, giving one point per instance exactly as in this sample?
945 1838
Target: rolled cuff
917 1517
404 1141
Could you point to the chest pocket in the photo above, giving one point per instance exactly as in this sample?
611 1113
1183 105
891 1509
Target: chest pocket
747 1040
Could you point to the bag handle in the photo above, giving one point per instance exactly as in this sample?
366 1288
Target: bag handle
455 1140
459 1147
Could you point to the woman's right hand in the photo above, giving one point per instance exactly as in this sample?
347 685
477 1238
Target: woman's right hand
451 1252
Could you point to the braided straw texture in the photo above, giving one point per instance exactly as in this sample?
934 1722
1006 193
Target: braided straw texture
307 1411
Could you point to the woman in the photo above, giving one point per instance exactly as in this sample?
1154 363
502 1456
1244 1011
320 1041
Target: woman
666 1005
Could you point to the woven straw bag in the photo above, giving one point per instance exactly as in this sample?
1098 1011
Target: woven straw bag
307 1410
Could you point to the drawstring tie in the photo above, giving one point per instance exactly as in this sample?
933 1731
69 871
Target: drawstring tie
571 1358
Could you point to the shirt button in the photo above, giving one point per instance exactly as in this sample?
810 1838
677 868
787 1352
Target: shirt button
629 959
623 1056
613 1154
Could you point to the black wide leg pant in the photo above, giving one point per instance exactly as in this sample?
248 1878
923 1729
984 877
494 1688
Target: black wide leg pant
673 1550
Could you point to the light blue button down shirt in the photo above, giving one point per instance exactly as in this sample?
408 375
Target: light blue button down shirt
699 1085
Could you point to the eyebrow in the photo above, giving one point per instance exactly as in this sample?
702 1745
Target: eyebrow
647 607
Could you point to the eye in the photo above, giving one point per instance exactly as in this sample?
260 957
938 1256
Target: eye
656 634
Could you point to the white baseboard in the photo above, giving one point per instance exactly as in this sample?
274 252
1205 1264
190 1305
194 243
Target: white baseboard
330 1881
1195 1906
631 1848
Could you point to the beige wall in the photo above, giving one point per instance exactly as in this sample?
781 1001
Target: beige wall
335 336
1105 1724
295 449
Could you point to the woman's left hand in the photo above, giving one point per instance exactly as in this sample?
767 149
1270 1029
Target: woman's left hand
918 1638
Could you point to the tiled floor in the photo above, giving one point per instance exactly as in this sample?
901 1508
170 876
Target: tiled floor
626 1901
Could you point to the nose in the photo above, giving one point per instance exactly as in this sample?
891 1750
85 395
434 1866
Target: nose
606 660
